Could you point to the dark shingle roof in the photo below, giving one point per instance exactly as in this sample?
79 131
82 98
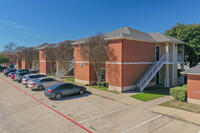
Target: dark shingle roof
194 70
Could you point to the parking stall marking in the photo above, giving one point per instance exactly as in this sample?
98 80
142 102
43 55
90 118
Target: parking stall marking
83 105
105 114
47 106
142 123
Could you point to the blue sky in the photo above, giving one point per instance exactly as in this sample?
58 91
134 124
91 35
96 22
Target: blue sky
32 22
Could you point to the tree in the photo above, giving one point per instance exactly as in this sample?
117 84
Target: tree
19 48
64 55
50 55
9 47
3 59
94 51
191 35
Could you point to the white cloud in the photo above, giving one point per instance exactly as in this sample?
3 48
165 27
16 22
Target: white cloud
29 34
8 22
19 28
14 24
22 27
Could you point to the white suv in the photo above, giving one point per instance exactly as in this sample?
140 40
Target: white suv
29 77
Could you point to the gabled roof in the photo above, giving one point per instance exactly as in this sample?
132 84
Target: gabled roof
159 37
193 71
41 45
122 33
127 32
130 33
47 45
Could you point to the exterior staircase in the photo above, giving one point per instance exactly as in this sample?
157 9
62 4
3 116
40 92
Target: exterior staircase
148 76
62 72
35 68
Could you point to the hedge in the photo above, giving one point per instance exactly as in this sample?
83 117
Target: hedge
179 93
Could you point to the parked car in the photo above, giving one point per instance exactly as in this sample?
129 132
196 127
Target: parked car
12 76
9 71
30 77
5 71
61 89
2 68
11 66
19 76
22 70
42 83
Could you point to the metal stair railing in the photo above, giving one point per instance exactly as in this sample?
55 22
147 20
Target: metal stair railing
151 72
64 70
36 67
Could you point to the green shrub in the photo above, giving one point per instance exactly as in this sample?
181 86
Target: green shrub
179 93
105 84
185 86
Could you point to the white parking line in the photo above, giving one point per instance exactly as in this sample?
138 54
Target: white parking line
83 105
142 123
104 114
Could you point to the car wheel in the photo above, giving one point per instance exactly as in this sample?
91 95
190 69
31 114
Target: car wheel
40 87
58 96
81 92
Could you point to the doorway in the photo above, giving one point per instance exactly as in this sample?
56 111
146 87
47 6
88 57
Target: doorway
157 59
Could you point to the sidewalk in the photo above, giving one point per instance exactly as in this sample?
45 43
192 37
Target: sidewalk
191 117
123 97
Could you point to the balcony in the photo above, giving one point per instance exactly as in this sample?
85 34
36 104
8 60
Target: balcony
180 57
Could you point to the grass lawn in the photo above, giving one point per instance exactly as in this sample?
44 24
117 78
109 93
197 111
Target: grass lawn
92 86
69 80
151 93
51 75
102 88
183 106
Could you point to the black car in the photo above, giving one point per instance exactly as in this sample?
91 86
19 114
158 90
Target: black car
22 70
9 71
2 68
61 89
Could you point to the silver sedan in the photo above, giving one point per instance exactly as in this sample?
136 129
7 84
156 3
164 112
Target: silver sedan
42 83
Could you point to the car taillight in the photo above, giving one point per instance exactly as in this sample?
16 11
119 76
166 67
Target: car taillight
26 80
32 84
50 90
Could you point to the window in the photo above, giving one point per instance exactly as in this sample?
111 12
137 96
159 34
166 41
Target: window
103 72
67 86
50 79
43 80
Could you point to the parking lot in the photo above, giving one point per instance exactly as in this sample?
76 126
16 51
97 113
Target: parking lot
26 111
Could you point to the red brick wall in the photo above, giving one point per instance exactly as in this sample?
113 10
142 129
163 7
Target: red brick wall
193 86
118 74
114 71
12 58
86 72
136 51
23 66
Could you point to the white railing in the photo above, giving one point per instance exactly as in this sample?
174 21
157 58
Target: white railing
180 80
148 76
35 67
180 58
64 70
171 57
